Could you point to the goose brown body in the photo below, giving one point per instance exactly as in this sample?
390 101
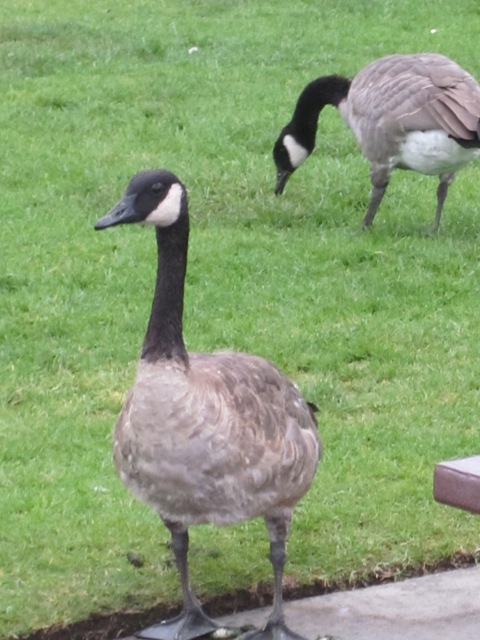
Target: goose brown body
418 112
399 94
224 439
206 438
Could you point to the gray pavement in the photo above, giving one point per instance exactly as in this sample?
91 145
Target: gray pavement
443 606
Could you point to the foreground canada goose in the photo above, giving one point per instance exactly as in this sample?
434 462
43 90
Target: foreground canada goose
206 438
418 112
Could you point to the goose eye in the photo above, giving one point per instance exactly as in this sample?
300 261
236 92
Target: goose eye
158 188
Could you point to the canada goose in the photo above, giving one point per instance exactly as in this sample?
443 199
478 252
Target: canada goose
418 112
206 438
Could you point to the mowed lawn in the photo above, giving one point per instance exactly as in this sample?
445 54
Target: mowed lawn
380 330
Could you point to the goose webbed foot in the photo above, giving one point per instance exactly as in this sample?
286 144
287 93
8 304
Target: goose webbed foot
272 631
191 623
430 230
360 230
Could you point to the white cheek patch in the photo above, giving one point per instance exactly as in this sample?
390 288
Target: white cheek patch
296 152
168 210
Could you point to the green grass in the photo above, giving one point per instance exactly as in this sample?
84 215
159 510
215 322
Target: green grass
380 330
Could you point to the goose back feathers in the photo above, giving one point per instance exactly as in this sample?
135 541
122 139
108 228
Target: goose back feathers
418 112
399 94
205 438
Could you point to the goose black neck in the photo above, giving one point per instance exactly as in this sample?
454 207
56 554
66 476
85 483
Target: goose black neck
164 337
316 95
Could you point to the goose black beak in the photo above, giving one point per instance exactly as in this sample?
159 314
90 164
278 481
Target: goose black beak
122 213
282 179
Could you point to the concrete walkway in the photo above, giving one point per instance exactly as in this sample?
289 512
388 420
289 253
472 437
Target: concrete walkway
444 606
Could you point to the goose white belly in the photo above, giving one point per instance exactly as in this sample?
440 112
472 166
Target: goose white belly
433 153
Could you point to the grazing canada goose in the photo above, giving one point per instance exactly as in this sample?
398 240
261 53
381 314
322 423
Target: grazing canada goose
418 112
206 438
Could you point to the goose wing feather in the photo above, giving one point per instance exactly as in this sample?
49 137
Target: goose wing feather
229 439
401 93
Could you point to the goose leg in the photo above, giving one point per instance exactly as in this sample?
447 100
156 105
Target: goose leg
442 190
192 621
380 177
276 629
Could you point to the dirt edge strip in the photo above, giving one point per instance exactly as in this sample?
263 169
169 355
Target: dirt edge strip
119 624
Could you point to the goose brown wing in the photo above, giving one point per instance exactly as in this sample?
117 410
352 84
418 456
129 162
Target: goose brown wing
267 427
425 91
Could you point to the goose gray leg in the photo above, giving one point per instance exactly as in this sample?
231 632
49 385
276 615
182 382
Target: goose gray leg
442 190
375 200
192 621
380 178
276 629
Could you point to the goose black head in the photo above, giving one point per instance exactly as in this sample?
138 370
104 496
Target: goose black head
288 155
155 197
